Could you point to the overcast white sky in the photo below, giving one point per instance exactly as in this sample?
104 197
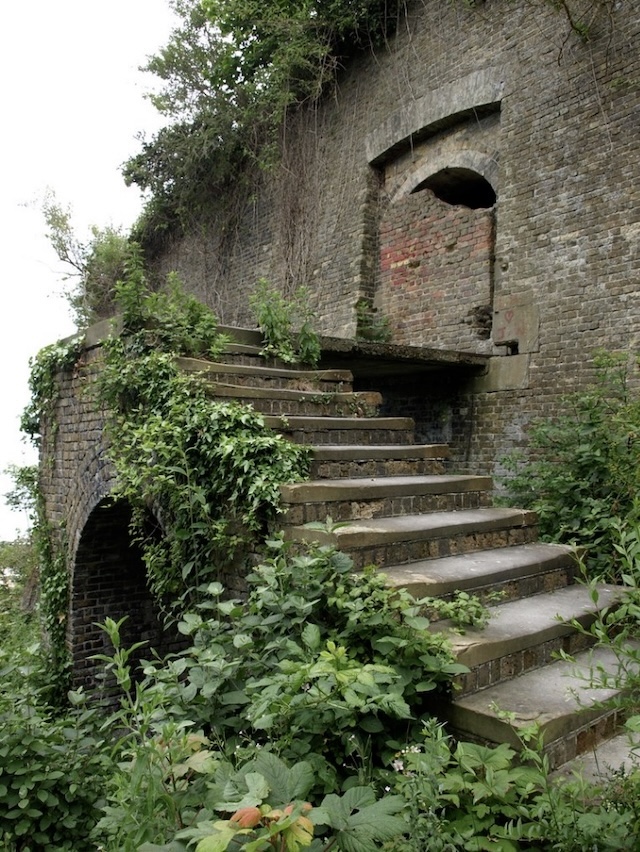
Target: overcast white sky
72 105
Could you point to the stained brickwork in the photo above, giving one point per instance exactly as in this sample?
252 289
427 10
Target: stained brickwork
436 265
503 89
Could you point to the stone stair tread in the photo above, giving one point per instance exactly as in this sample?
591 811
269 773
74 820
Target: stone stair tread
413 527
558 697
467 571
242 336
304 423
242 349
356 452
358 488
528 622
201 366
598 765
372 398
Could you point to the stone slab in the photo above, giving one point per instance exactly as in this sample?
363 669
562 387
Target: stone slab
528 622
378 487
340 452
551 697
478 569
382 531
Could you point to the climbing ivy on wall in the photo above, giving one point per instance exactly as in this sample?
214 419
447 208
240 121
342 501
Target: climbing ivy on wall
202 476
207 471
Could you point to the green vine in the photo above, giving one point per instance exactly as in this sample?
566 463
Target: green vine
209 472
43 383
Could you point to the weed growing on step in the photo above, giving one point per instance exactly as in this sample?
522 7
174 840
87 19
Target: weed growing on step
462 609
285 325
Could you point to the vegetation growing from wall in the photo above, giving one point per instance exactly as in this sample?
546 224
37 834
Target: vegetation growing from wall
285 325
583 476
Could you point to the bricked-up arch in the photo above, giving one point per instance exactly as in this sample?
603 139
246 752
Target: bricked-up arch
108 579
437 244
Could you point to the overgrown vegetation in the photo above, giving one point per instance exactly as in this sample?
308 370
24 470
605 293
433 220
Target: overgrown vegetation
209 469
231 73
299 715
286 325
582 478
92 267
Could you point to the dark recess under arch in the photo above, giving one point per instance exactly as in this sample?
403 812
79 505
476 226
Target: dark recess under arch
460 186
109 580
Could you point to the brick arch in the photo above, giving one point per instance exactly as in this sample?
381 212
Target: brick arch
468 159
108 579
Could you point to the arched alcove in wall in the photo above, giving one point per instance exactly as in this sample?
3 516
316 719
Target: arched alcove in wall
437 246
108 579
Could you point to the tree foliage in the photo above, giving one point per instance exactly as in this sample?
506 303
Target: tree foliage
231 72
93 266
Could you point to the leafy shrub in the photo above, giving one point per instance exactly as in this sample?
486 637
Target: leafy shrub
316 661
277 317
52 776
585 466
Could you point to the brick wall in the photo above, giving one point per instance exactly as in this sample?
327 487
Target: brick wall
106 571
435 274
502 88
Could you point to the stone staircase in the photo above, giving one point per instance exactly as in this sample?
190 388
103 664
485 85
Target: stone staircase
435 532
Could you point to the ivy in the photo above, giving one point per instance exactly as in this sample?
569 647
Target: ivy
43 383
209 472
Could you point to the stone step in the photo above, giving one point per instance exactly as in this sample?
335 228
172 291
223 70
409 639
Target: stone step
283 401
344 430
242 336
559 698
333 461
257 375
377 497
524 634
515 571
389 541
603 759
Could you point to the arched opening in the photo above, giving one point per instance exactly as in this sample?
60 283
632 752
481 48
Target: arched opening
109 580
460 186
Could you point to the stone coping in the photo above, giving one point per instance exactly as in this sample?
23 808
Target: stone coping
363 358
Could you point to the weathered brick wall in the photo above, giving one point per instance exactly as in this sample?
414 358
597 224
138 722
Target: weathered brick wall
107 575
436 265
502 88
